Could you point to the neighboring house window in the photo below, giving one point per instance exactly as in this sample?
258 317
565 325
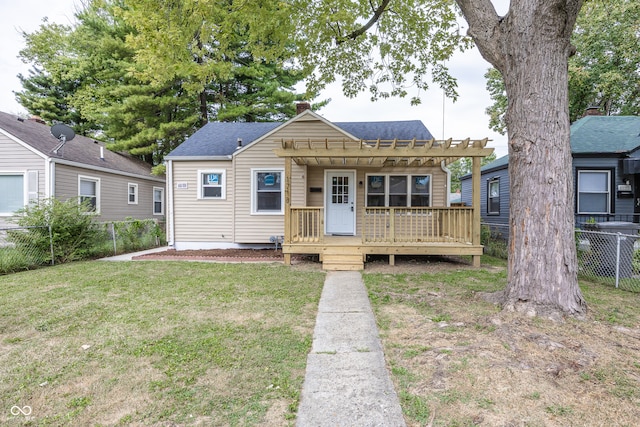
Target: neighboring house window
158 201
398 190
133 194
89 191
493 197
11 193
212 184
594 194
267 191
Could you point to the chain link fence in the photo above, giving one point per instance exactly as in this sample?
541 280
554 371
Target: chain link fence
611 258
24 248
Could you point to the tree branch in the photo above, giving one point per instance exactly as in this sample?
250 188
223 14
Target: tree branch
377 13
484 25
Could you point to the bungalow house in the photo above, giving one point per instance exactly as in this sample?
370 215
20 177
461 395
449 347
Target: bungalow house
606 170
338 190
35 165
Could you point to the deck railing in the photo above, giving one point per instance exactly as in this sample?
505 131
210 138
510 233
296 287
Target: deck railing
307 225
391 225
415 225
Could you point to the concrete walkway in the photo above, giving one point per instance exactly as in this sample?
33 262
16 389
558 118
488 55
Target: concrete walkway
346 381
129 256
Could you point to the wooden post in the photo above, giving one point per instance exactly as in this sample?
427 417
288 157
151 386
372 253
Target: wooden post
392 225
287 207
475 229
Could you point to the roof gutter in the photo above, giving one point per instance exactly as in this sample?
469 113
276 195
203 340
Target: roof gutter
192 158
106 170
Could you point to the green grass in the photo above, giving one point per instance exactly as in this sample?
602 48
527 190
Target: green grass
156 343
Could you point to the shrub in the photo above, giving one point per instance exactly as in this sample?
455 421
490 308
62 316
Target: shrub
73 231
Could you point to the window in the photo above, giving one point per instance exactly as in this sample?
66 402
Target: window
376 190
212 184
493 196
89 192
267 191
398 190
594 191
133 194
11 193
420 188
158 201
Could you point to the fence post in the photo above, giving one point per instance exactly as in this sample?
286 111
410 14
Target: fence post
618 239
113 235
51 245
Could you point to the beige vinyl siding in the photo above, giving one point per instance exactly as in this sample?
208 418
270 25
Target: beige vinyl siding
113 192
438 185
201 220
16 159
257 228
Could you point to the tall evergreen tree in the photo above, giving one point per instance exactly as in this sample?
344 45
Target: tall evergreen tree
105 92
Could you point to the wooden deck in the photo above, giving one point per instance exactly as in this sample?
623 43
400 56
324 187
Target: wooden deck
349 252
383 230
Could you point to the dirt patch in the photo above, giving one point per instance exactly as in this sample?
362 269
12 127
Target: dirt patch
374 263
458 360
216 254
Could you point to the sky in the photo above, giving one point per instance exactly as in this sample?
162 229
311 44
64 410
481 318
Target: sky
466 118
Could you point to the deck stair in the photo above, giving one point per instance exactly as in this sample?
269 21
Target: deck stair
342 258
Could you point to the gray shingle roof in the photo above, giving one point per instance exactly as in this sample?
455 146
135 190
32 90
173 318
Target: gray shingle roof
79 150
221 139
407 129
605 135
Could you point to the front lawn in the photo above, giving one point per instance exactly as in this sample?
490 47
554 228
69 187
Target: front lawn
457 360
155 343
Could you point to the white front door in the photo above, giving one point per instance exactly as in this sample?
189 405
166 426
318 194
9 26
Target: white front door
340 203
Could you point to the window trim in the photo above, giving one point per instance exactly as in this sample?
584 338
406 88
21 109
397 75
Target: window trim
610 200
97 195
254 191
495 179
135 193
409 194
24 190
153 201
223 186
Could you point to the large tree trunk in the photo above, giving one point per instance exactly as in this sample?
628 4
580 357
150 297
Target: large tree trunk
530 46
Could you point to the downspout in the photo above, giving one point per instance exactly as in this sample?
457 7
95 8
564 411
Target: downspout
447 184
51 177
170 224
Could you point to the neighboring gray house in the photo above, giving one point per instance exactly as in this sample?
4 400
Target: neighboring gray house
117 185
606 168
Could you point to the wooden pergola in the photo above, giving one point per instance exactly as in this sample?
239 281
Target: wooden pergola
384 153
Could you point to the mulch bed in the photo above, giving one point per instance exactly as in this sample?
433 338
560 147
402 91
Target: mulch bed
238 255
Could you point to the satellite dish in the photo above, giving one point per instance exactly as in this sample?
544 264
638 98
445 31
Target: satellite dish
63 133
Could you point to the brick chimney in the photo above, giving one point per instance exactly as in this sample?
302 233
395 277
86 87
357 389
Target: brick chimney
37 120
594 110
302 106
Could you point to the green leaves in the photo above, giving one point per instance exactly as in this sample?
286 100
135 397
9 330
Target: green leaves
604 72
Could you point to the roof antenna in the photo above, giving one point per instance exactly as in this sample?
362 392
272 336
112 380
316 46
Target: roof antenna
63 133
